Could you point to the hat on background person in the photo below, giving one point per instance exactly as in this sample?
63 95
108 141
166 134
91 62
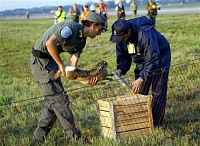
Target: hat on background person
94 17
119 29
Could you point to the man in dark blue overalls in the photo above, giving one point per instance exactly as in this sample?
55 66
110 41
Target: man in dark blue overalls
138 41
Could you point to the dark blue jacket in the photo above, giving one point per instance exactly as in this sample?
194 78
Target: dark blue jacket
152 49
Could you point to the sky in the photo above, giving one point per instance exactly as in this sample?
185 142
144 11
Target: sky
14 4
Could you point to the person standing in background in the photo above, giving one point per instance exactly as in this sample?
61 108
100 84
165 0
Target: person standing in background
60 15
133 8
27 14
92 8
151 7
120 10
102 10
74 12
85 12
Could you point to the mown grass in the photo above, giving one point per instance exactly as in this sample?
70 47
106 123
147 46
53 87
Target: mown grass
18 120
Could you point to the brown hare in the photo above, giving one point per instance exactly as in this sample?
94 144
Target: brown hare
84 76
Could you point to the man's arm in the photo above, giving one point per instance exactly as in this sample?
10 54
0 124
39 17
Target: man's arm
51 45
116 10
131 7
147 7
123 58
70 13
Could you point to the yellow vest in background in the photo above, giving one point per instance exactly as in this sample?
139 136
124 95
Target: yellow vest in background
60 16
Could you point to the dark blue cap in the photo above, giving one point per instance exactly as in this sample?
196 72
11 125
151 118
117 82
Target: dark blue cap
119 29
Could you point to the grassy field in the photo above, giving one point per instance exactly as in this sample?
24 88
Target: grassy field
21 100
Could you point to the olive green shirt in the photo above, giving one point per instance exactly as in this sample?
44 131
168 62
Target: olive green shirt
72 43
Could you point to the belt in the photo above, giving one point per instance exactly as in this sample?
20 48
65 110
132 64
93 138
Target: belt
40 54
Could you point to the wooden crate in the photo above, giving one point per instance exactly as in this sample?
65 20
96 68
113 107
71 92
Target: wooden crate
125 116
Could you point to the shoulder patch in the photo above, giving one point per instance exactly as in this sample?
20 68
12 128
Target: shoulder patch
66 32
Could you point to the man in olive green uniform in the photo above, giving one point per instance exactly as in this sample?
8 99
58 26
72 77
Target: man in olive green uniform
151 7
120 10
74 12
66 36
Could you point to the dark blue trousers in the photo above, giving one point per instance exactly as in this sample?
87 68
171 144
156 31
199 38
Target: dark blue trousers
157 82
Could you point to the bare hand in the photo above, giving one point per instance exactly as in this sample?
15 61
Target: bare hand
136 86
62 68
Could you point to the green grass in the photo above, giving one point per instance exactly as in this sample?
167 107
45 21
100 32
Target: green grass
19 120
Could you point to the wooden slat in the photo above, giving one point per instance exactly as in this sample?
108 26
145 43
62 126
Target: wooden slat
104 108
124 100
103 105
104 113
103 102
125 97
107 135
113 120
150 115
119 117
127 110
133 104
129 101
105 121
129 134
106 130
132 127
132 121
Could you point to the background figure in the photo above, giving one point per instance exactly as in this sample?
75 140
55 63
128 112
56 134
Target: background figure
63 37
27 14
92 8
120 10
151 7
74 12
102 10
139 42
85 12
133 8
60 15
